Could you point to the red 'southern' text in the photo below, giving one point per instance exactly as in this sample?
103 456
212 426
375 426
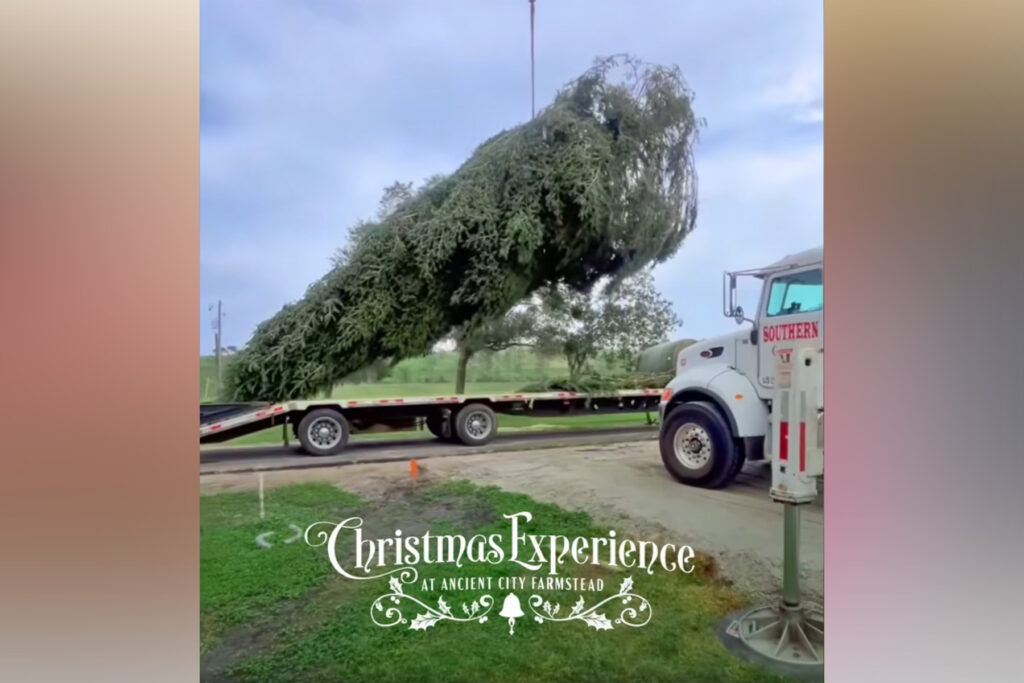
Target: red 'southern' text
774 333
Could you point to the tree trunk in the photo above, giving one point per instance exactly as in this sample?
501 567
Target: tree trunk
576 362
460 375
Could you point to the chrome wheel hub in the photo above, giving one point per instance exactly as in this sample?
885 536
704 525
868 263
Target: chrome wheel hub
478 425
325 432
692 446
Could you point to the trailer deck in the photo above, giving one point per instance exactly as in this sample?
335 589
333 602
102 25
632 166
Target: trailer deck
323 426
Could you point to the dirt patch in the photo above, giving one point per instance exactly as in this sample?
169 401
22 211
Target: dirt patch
259 636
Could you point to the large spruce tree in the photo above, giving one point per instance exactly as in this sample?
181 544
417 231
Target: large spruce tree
600 183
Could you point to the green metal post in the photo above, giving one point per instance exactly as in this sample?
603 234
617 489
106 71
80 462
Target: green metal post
791 556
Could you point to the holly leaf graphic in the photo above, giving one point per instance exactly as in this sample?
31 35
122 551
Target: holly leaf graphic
465 609
395 585
443 606
577 607
474 607
627 585
424 621
547 608
598 621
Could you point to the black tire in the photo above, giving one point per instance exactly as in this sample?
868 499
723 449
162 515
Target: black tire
323 432
475 424
710 459
741 458
441 427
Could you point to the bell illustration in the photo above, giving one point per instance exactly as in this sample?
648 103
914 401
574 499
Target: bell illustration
511 610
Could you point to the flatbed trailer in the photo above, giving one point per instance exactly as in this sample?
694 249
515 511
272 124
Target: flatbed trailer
323 427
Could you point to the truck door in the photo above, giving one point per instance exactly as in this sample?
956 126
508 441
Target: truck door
791 316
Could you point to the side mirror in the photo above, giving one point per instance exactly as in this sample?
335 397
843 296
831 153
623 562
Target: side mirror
737 314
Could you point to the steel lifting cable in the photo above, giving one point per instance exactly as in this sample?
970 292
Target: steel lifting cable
533 106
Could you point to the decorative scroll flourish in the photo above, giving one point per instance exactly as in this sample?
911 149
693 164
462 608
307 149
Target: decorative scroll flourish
633 614
392 616
637 614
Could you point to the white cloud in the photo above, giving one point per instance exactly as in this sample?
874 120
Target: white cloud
758 174
803 85
800 90
811 115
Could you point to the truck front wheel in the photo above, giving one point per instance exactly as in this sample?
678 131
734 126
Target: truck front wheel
323 432
697 446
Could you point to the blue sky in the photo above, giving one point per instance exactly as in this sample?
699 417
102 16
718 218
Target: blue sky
309 108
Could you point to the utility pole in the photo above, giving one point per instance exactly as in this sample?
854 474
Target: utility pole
217 329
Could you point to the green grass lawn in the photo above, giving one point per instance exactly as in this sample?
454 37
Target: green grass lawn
283 614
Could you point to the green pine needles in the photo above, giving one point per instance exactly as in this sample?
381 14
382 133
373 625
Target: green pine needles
599 184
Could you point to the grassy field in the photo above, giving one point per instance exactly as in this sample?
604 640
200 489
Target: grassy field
434 374
283 614
503 371
413 389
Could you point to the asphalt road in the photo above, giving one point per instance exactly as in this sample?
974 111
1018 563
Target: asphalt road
223 459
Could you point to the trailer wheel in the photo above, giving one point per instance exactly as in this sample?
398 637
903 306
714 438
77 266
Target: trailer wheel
476 424
697 446
323 432
441 427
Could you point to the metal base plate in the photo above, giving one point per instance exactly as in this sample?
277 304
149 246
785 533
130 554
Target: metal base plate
782 640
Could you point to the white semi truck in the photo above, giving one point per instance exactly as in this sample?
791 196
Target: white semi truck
715 413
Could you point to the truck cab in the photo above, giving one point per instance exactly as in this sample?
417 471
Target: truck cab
715 413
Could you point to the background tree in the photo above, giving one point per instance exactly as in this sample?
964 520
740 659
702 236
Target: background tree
569 325
635 316
617 321
518 327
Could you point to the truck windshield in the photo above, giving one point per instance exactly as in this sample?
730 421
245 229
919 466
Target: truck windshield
797 293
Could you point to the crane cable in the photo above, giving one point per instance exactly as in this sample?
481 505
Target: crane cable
533 106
